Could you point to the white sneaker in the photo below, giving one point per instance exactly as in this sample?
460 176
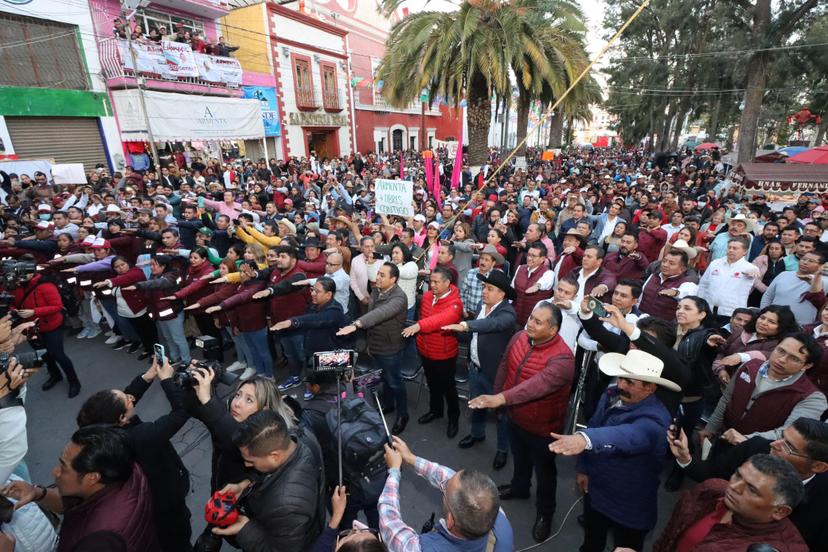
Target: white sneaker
112 340
83 334
110 333
93 333
248 373
236 366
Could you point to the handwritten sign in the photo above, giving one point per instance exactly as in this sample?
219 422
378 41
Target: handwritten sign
394 197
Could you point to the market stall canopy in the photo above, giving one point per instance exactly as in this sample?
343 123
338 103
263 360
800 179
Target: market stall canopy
782 178
781 155
706 146
816 156
182 117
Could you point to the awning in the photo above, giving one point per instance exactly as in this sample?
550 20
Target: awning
782 177
181 117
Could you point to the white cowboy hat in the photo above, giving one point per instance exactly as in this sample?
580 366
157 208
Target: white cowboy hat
636 365
742 218
692 252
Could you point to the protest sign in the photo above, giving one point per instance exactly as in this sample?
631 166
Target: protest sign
69 173
149 57
394 197
180 59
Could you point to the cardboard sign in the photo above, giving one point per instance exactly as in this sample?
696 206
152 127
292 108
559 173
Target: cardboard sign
69 173
394 197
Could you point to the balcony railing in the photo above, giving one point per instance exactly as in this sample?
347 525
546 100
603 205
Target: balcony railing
117 64
412 108
305 98
330 101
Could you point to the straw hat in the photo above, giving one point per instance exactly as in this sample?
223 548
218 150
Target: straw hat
636 365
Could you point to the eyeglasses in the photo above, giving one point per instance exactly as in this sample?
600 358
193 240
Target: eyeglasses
789 450
332 264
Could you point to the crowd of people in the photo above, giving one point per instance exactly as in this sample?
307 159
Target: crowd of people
642 314
195 38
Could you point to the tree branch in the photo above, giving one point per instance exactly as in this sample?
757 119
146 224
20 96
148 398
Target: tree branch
787 21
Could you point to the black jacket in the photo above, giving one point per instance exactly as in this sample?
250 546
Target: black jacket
320 327
494 333
698 356
228 466
168 478
675 368
287 507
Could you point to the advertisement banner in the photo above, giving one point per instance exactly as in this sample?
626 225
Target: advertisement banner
180 117
266 96
6 147
394 197
180 59
219 69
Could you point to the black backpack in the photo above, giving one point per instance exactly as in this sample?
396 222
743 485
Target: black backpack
363 440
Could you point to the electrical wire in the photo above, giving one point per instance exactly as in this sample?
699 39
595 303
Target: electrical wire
560 528
721 52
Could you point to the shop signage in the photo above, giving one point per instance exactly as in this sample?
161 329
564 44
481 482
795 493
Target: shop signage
266 96
317 119
394 197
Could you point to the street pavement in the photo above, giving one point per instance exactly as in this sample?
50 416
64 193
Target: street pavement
51 421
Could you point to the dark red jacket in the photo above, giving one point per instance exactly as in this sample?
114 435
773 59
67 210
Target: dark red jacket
220 293
119 517
44 299
525 301
314 268
135 300
661 306
193 287
524 361
244 312
770 409
158 287
432 342
287 300
599 277
700 501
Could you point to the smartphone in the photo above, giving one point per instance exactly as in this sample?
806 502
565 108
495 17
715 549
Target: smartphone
160 354
597 307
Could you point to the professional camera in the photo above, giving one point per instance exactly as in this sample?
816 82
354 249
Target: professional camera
183 376
13 272
27 360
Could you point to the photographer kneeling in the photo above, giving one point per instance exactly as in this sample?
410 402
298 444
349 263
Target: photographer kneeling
37 299
283 506
168 478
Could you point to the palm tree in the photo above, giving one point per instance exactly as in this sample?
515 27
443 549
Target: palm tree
577 106
472 53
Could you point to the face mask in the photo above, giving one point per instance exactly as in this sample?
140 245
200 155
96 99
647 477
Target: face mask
44 217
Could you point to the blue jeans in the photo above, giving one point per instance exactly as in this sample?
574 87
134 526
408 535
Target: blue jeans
479 385
293 346
172 332
257 345
243 353
128 332
395 393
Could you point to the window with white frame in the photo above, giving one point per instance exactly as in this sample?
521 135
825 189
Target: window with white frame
150 19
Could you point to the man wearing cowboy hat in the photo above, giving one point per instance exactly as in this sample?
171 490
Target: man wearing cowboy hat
727 282
621 452
740 225
313 265
471 289
496 322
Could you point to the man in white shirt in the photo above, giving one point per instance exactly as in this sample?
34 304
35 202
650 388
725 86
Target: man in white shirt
676 224
727 282
334 271
566 292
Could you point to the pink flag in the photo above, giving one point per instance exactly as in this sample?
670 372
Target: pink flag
458 159
402 167
429 174
435 178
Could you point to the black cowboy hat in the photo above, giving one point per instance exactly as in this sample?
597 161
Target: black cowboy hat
499 280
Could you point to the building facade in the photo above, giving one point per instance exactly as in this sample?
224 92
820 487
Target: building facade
379 127
53 100
190 103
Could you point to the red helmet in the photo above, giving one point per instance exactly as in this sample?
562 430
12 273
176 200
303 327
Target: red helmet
221 510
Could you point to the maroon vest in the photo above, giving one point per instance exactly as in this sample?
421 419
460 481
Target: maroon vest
546 414
291 304
661 306
526 302
770 409
125 510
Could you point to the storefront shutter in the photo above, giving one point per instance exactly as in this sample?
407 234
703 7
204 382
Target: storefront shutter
64 139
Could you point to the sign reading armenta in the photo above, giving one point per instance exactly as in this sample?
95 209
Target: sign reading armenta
394 197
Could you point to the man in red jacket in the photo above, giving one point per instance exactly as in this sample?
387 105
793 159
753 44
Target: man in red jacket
717 516
440 307
38 300
533 380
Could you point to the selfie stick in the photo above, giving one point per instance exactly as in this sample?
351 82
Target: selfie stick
384 423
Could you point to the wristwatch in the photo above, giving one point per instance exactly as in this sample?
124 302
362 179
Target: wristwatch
44 492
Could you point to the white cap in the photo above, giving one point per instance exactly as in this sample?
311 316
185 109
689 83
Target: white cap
420 217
